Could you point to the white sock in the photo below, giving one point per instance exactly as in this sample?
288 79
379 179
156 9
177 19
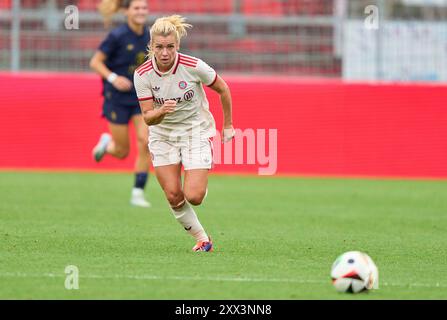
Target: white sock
188 219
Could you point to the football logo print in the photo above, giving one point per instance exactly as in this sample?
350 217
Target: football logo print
189 95
182 85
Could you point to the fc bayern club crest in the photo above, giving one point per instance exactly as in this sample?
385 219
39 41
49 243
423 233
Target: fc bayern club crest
182 85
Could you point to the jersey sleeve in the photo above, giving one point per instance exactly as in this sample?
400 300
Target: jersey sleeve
109 44
142 87
205 73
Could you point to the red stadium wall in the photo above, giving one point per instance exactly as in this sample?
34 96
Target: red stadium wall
51 121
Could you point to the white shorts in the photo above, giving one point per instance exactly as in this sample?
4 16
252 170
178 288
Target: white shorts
195 154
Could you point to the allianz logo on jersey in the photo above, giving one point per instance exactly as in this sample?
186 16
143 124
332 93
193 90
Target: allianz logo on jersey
188 96
161 101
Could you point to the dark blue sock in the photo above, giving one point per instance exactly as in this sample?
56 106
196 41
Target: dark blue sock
140 180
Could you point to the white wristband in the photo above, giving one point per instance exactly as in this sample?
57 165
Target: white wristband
112 77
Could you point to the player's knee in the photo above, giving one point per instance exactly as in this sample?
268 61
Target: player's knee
142 142
195 198
121 152
143 150
175 198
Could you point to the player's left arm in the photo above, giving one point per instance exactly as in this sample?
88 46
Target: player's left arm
221 87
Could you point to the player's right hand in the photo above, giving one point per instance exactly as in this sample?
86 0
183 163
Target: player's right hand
228 134
122 84
168 106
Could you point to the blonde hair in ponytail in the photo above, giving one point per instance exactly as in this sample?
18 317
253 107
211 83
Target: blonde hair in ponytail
108 8
165 26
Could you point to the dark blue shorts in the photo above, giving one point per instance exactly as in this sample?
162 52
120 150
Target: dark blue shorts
119 113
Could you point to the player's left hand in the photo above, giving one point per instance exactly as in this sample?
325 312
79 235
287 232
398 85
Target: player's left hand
228 134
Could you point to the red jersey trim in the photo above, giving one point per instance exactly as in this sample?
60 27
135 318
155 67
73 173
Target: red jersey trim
189 59
214 81
145 99
144 65
176 66
188 64
145 70
157 73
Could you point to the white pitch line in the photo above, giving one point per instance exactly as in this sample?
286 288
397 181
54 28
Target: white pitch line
201 278
155 277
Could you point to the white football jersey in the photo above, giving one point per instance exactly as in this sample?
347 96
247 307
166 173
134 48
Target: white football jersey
182 83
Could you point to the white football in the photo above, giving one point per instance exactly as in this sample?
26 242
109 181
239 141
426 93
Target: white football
354 272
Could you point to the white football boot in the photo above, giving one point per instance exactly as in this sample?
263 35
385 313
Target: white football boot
101 147
137 198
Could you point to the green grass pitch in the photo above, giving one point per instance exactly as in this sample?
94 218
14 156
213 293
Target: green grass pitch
275 238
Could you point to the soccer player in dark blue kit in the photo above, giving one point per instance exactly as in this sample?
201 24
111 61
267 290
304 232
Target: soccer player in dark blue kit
123 50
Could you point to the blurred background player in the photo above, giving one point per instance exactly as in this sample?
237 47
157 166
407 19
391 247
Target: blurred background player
118 56
174 104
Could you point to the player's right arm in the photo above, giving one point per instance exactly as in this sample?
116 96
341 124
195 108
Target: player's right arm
155 116
145 96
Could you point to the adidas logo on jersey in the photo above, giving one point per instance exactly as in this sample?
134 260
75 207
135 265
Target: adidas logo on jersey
156 88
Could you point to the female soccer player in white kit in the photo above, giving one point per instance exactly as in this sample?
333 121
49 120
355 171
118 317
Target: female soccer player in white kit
169 87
